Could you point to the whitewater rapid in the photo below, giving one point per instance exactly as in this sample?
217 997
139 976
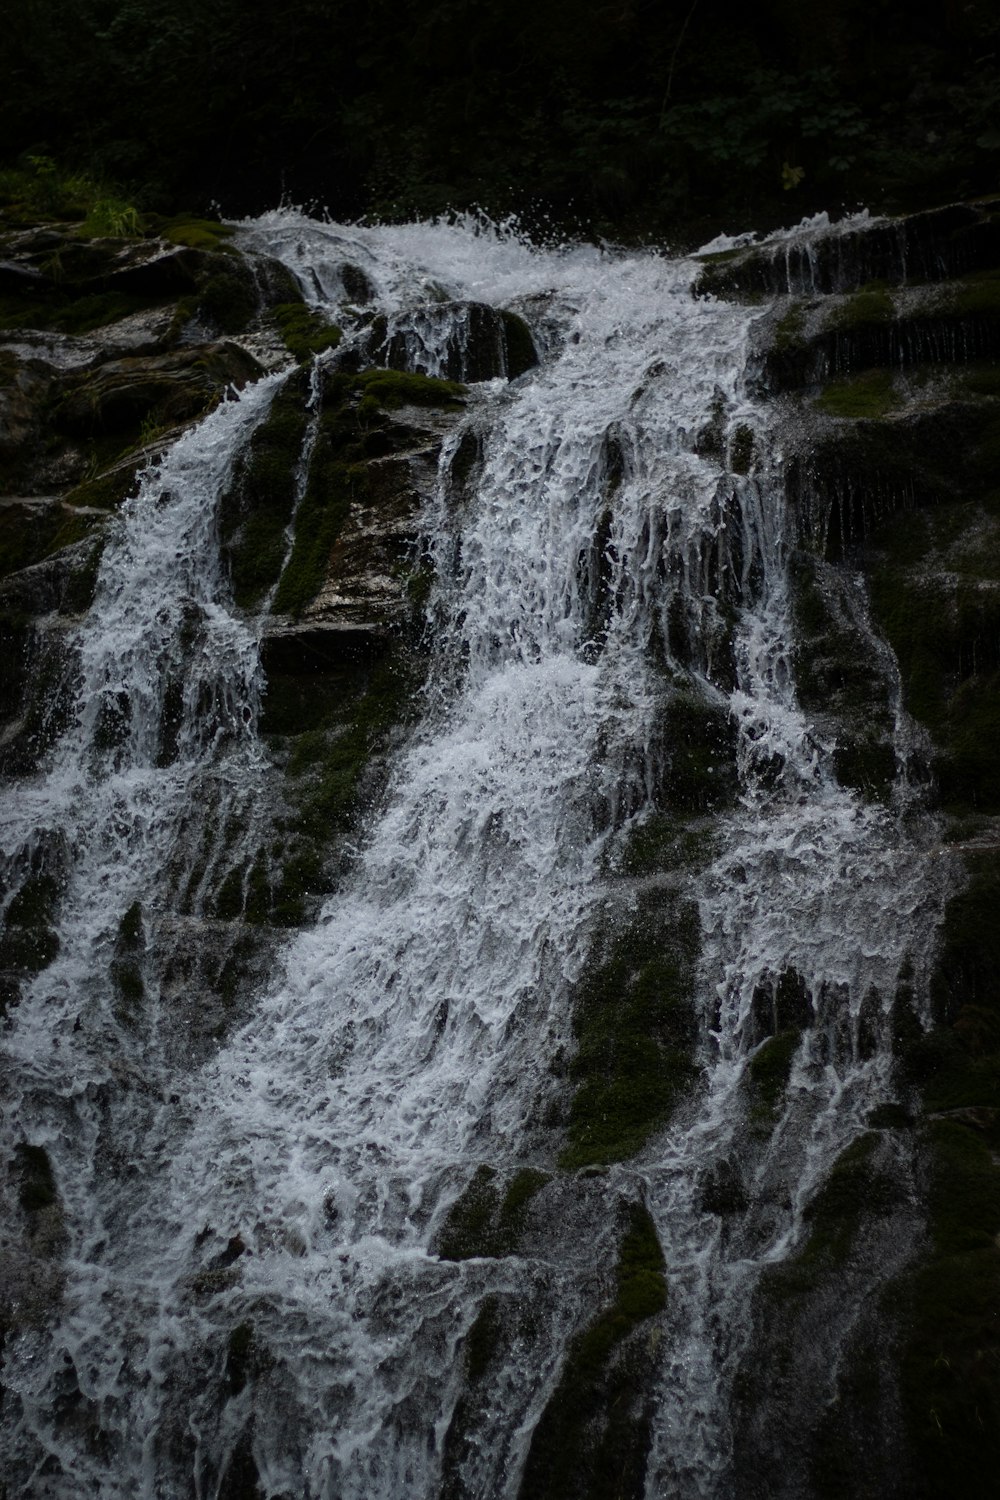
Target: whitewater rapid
294 1183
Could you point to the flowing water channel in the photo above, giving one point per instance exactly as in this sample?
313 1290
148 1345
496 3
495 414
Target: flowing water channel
294 1182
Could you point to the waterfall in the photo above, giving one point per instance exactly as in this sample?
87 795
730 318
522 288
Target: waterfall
284 1189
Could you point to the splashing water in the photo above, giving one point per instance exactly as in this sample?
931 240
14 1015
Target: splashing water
294 1182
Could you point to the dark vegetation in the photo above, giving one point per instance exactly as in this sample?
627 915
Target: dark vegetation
631 119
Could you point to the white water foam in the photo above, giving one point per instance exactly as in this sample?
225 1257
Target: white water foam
296 1182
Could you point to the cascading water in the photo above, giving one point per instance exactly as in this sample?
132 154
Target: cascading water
290 1189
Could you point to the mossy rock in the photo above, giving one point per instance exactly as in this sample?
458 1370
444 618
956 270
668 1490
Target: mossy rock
306 333
769 1070
246 1359
257 508
329 763
945 631
392 389
229 299
487 1219
840 678
856 1187
699 741
196 234
492 343
123 396
330 734
661 843
592 1439
947 1305
871 396
127 973
635 1028
520 352
354 428
30 532
870 305
741 449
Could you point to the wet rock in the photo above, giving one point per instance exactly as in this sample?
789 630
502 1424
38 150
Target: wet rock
351 576
356 283
723 1191
933 246
168 388
465 341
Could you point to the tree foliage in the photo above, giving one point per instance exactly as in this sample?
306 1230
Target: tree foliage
633 116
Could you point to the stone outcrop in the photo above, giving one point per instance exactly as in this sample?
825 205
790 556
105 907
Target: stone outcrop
881 357
888 415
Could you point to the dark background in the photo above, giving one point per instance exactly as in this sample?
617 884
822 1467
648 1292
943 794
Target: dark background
629 118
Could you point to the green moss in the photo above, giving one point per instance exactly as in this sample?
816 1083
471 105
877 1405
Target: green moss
467 1230
592 1438
294 704
870 396
330 489
336 758
36 1184
854 1189
661 844
837 675
700 743
419 583
62 312
196 234
305 332
872 305
942 630
353 429
392 389
769 1070
635 1029
968 966
957 1064
789 328
977 296
105 491
302 879
485 1222
24 536
229 299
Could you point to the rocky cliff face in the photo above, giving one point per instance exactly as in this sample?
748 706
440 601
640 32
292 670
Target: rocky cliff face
874 1363
882 358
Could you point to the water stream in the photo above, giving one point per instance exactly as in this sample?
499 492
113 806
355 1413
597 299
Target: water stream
294 1181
